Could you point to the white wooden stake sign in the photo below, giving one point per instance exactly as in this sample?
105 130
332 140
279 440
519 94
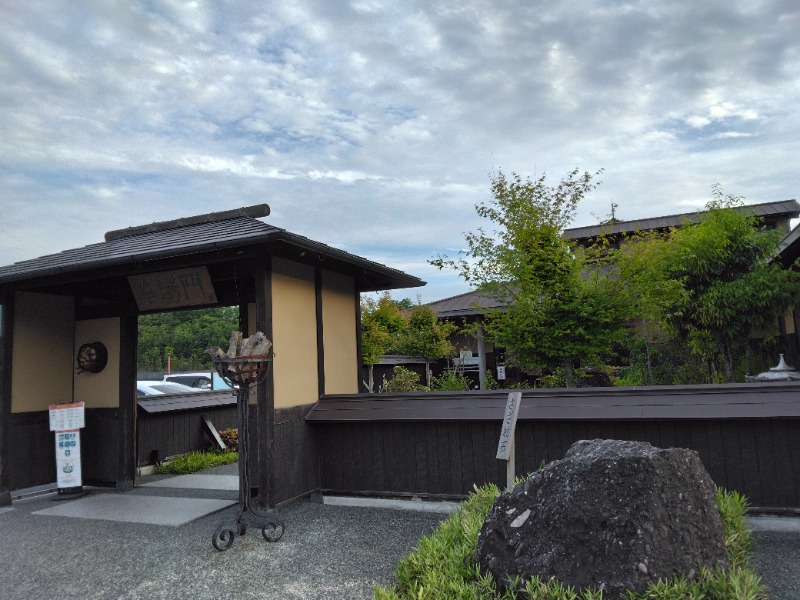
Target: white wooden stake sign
505 448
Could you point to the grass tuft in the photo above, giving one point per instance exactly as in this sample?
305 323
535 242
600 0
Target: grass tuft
197 461
444 565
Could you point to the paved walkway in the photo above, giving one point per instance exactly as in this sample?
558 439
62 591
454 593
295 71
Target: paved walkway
152 543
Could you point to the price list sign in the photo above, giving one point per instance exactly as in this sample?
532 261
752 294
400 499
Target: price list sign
65 417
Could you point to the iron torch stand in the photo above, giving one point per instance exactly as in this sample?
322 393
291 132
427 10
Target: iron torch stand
242 373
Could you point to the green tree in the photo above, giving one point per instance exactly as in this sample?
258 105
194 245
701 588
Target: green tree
186 335
556 311
425 336
712 283
382 322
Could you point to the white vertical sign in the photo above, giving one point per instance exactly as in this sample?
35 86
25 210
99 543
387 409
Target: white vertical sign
67 420
505 447
68 459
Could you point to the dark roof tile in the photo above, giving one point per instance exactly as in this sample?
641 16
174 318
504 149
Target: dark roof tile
787 208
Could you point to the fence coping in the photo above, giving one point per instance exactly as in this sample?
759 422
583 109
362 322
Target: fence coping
189 401
721 401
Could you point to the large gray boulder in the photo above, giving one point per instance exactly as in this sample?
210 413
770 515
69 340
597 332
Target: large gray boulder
613 515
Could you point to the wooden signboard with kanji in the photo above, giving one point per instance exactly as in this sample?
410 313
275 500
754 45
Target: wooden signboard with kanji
173 289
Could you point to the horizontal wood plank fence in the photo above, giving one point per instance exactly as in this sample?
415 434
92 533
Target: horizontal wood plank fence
442 444
748 436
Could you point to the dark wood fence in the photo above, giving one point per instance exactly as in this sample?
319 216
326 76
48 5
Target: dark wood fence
174 425
748 436
442 444
171 425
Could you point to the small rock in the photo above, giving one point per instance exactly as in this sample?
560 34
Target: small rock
642 568
518 522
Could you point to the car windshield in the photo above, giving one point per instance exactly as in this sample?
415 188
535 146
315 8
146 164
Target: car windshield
174 388
159 388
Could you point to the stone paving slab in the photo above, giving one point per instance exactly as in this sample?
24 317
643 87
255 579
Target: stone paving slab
198 482
129 508
765 523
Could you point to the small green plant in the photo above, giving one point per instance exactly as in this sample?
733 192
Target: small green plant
490 383
230 435
450 381
197 461
403 380
444 567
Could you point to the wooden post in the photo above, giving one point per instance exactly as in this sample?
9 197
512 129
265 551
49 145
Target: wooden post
481 356
506 445
265 417
126 425
6 335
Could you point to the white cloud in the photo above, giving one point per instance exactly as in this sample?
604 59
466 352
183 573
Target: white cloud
376 126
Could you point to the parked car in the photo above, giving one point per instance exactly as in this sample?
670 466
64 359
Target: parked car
162 388
204 380
201 381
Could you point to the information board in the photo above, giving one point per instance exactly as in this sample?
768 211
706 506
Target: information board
64 417
68 459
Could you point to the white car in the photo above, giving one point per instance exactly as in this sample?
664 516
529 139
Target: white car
162 388
205 380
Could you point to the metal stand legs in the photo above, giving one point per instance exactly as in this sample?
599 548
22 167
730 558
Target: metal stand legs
271 526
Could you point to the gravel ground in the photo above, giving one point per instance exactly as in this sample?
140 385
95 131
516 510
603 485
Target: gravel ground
327 552
776 557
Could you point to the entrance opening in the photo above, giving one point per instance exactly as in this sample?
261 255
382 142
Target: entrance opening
180 398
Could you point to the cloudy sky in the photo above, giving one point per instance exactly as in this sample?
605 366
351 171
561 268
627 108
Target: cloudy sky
375 126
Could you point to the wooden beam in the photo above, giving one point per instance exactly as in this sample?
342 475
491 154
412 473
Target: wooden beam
359 349
6 339
126 427
320 332
265 418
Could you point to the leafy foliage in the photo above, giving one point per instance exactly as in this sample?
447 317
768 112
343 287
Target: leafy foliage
425 336
553 315
391 326
197 461
450 381
186 335
712 283
444 565
403 380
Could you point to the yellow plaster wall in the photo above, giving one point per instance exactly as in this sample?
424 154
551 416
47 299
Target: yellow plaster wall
339 301
99 390
42 361
294 333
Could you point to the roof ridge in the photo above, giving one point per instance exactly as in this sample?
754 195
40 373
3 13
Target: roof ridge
683 214
456 296
255 211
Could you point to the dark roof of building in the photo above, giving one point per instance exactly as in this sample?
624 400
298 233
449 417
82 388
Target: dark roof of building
769 210
130 248
789 248
469 303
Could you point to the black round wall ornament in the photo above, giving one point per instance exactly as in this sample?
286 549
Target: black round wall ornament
92 358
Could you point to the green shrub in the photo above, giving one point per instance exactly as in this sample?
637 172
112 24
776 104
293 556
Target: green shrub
450 381
403 380
197 461
444 565
490 383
